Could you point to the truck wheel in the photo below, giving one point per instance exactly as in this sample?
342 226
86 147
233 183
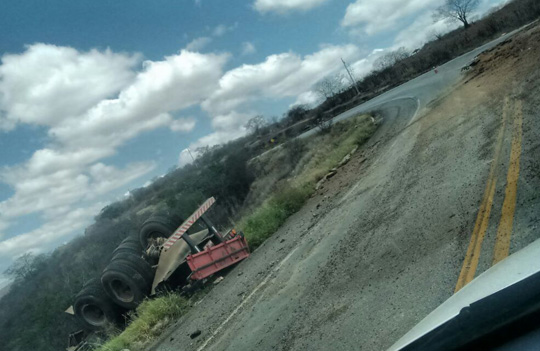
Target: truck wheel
158 226
94 308
130 244
136 262
125 285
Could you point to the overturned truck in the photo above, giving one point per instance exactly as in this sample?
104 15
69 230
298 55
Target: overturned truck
161 257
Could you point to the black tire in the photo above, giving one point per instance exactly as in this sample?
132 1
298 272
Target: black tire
125 285
158 226
94 308
137 262
129 244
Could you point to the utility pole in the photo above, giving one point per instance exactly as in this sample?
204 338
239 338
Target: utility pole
193 158
353 81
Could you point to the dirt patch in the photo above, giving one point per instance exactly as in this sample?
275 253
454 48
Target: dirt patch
520 53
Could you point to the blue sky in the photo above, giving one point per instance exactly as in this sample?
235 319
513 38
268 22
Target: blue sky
98 97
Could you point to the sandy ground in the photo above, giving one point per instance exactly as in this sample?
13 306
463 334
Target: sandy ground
383 242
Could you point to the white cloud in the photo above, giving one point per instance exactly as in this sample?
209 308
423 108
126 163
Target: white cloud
3 226
68 179
248 48
421 31
285 6
364 66
376 16
283 75
177 82
107 178
230 122
198 44
52 233
222 29
47 84
227 127
4 282
279 76
359 68
184 158
69 172
309 98
183 125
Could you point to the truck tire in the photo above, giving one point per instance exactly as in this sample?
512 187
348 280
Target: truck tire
131 245
158 226
136 262
94 308
125 285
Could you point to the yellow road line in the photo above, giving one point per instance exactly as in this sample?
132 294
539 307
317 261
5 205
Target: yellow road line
472 257
470 263
502 243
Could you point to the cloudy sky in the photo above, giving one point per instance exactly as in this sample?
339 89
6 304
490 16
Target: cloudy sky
98 97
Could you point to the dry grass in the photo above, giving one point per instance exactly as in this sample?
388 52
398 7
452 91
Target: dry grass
325 151
151 318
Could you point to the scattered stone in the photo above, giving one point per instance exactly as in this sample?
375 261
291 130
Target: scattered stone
240 273
354 149
218 280
319 184
331 174
345 160
195 334
282 240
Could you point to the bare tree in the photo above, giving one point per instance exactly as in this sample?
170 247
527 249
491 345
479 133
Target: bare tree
457 10
330 86
435 35
255 124
323 122
24 266
296 113
391 58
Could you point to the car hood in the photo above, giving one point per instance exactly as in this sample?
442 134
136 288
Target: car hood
514 269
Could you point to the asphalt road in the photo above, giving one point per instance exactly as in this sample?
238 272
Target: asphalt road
359 266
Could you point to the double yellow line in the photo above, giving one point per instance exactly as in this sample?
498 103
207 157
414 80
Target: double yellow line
504 232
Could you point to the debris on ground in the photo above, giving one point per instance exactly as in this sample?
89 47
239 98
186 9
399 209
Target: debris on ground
334 170
345 160
195 334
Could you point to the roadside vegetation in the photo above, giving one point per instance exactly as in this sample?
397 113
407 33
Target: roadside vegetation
313 159
259 193
147 322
